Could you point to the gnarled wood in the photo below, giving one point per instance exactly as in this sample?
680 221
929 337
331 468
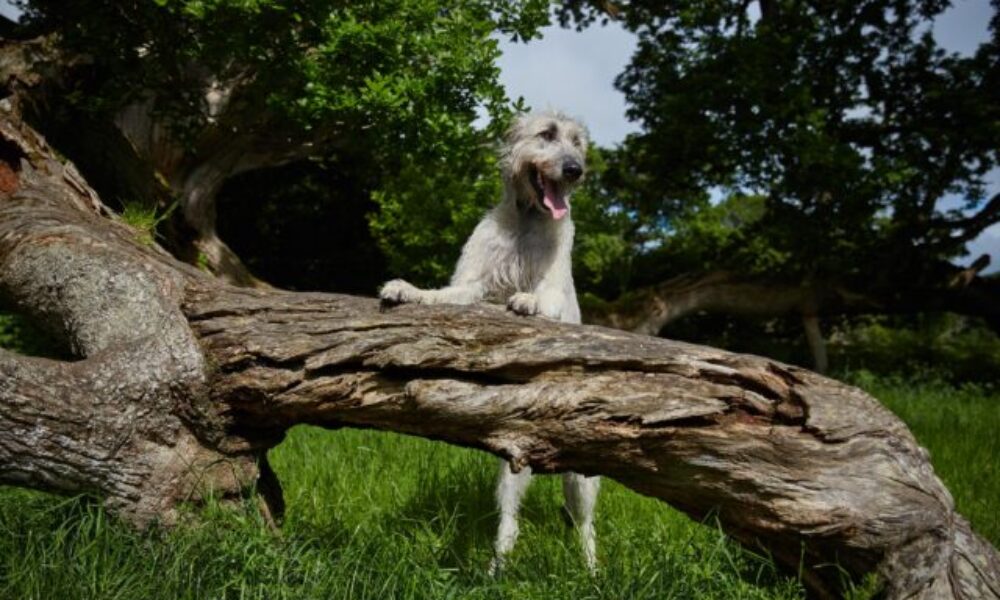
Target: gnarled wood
185 381
128 421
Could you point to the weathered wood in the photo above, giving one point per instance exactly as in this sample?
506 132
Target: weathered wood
118 422
812 469
185 381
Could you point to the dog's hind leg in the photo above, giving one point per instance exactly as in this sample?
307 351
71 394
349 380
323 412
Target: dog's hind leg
581 498
510 490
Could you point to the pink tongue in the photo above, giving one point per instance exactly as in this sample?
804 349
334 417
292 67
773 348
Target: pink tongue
554 199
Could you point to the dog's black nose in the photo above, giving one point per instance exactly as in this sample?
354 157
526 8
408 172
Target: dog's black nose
572 170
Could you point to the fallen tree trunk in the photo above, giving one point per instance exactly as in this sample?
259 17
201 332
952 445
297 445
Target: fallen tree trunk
183 382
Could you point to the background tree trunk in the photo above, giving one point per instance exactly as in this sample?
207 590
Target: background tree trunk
817 345
151 164
184 382
649 310
196 173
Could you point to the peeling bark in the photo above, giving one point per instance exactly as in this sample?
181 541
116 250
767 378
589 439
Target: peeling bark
183 382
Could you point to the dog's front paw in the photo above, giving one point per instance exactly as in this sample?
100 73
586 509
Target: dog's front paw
523 303
398 291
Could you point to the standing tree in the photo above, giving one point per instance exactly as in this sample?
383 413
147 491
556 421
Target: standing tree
186 94
848 121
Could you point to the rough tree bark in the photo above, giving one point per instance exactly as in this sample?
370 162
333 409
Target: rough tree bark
183 382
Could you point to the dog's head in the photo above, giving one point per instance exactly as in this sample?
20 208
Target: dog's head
544 159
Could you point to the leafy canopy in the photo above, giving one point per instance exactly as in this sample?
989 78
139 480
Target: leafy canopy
846 117
404 72
389 88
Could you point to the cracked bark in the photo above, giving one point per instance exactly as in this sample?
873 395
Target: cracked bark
183 382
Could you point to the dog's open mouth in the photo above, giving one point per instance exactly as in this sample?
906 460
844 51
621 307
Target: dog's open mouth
550 194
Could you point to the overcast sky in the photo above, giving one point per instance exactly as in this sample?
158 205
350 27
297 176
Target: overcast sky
575 71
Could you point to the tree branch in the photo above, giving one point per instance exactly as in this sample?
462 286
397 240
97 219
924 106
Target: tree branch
649 310
974 225
763 444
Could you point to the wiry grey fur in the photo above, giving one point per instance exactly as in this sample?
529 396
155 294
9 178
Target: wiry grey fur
520 254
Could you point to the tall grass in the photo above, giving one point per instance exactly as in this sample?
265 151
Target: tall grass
375 515
960 425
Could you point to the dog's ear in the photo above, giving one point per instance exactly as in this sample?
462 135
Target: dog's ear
581 131
514 132
516 129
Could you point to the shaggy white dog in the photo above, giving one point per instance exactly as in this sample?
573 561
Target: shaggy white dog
520 254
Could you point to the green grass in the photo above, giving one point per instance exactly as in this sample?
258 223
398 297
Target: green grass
374 515
960 425
145 219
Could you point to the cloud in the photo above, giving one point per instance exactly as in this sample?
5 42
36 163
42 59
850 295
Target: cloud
9 10
574 72
988 242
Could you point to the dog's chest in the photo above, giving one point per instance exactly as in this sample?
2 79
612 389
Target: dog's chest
521 260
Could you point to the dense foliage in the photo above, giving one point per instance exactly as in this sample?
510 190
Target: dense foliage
205 90
867 141
804 141
397 75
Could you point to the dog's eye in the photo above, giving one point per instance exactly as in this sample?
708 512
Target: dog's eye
548 135
577 142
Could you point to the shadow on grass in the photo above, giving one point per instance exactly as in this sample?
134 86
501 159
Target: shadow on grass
459 505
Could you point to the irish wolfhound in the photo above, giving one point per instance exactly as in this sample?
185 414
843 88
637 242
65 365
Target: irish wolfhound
520 254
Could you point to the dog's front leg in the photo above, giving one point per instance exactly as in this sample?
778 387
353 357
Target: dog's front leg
399 291
545 301
523 303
